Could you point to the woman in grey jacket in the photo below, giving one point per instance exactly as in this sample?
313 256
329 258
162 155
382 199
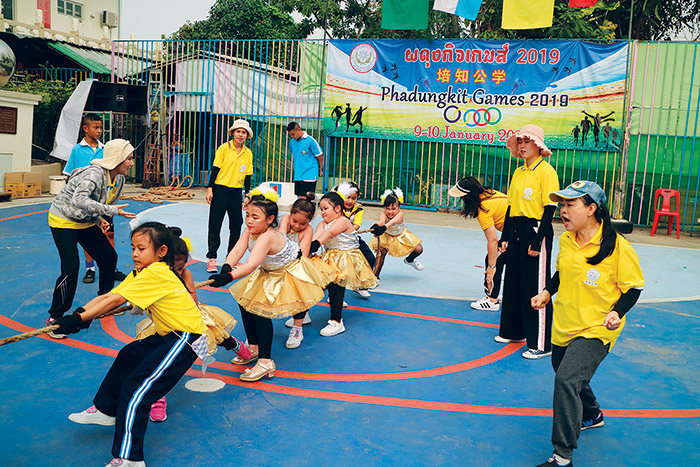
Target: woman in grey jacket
79 213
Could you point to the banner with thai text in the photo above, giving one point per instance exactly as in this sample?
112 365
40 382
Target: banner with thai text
476 92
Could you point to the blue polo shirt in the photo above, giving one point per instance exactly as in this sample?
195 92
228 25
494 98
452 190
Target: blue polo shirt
81 156
304 152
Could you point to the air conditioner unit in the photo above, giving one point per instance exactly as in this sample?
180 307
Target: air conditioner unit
109 19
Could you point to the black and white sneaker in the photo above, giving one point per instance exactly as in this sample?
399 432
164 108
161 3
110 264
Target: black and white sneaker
596 422
485 304
89 276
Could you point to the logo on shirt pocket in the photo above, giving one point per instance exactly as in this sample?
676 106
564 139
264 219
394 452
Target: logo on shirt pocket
527 194
592 277
243 167
304 152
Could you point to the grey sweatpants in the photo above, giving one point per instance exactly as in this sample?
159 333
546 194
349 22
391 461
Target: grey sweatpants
574 400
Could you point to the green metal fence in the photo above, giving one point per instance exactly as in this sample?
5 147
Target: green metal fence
205 85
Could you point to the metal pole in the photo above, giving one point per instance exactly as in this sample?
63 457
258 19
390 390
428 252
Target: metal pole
320 94
627 116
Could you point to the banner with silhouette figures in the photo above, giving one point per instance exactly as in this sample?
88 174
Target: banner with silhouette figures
476 91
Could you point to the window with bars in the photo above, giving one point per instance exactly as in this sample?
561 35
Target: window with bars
70 8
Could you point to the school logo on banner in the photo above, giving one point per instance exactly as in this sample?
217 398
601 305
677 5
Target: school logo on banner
477 92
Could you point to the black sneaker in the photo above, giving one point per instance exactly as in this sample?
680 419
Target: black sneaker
553 463
118 275
593 423
89 276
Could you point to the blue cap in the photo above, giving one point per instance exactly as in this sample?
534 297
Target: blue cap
579 189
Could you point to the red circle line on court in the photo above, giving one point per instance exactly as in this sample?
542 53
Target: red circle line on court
22 215
376 400
110 326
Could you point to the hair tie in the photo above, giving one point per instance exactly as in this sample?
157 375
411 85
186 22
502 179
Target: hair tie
188 243
393 191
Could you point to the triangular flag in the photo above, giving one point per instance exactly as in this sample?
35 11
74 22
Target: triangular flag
527 14
465 8
405 14
581 3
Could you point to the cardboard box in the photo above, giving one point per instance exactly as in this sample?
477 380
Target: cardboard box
23 184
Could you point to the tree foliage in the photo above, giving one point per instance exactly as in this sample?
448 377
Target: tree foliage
244 19
607 20
54 95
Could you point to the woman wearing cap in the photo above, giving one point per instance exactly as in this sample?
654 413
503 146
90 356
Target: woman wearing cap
489 207
598 279
230 174
79 213
527 242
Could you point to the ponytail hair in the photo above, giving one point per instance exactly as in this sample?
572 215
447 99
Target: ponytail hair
471 202
305 206
180 247
609 236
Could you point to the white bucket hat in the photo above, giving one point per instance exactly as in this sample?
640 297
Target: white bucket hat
114 153
533 132
240 123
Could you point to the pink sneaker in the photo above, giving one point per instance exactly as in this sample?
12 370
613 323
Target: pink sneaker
158 413
211 266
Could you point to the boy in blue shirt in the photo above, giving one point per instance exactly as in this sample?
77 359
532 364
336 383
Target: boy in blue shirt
307 160
90 147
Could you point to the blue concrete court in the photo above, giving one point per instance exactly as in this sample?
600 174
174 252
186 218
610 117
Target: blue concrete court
416 380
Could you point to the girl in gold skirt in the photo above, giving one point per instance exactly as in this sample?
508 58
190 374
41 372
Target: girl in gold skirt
342 251
297 227
391 236
280 281
219 323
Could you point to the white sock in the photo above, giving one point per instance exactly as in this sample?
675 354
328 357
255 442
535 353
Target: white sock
301 332
91 268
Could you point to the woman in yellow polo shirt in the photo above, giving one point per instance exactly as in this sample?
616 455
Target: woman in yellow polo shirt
230 174
489 207
145 370
527 243
598 279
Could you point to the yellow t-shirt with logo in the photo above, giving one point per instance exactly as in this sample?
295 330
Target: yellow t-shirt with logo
530 187
587 292
233 165
493 210
162 294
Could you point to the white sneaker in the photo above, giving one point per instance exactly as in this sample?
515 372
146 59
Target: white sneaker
333 328
345 304
503 340
363 293
296 335
290 322
92 416
116 462
414 264
485 304
51 322
211 266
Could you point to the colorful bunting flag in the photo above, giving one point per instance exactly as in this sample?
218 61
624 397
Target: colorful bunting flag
581 3
527 14
405 14
465 8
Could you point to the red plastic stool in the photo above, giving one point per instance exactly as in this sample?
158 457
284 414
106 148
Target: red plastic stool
667 195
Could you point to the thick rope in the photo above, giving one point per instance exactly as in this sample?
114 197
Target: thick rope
53 327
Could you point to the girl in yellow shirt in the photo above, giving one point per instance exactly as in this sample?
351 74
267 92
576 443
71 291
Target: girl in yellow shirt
145 370
489 207
598 280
